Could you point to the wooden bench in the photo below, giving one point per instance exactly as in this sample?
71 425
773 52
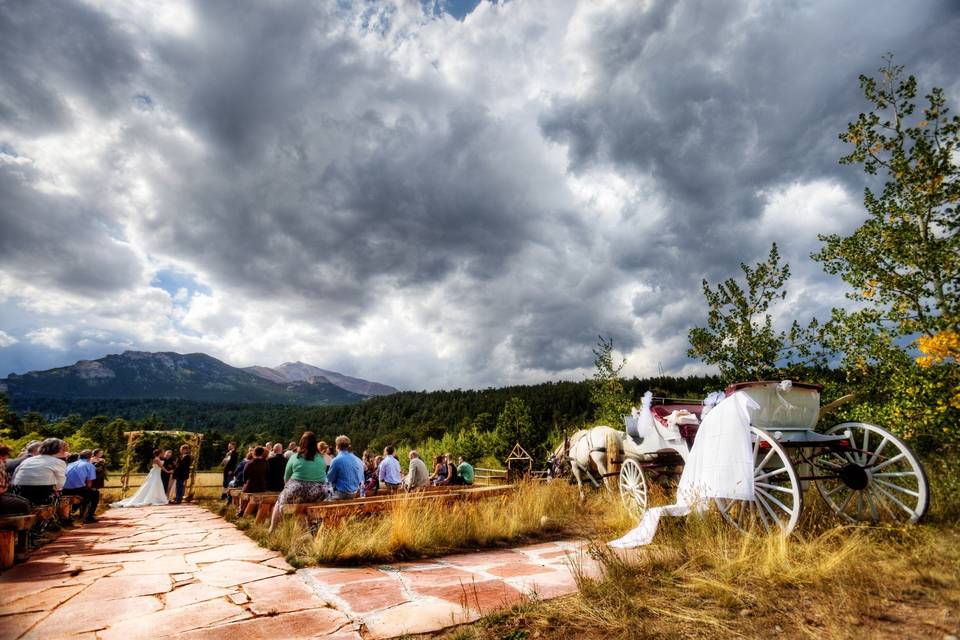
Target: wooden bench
13 534
235 496
334 510
66 505
258 504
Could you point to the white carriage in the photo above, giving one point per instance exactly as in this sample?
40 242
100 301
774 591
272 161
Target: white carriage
862 471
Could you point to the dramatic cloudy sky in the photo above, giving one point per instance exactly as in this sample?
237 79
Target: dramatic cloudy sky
430 195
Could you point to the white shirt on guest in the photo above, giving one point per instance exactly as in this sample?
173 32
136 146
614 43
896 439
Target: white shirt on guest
41 471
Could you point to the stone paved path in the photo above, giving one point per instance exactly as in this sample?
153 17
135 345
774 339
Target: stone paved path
183 571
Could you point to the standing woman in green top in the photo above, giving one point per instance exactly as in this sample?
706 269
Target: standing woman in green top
305 477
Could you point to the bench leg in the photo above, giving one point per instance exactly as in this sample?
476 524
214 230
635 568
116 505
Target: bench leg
7 546
263 512
250 509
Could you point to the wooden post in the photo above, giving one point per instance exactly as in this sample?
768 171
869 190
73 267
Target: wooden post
8 543
195 460
614 453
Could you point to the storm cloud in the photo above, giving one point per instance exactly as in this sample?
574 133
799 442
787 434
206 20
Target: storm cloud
426 201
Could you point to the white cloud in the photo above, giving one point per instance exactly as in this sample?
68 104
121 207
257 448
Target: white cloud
6 339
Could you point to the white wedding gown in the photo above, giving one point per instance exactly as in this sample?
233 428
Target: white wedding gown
150 492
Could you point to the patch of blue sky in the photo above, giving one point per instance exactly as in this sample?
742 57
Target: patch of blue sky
143 102
180 285
459 9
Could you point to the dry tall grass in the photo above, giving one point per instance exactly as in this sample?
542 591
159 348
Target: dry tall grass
703 579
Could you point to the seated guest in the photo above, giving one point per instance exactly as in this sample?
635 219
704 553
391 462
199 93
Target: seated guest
291 450
276 466
28 451
464 472
254 476
417 475
324 449
237 481
451 468
388 471
80 476
10 504
39 478
439 475
346 472
370 482
100 464
305 477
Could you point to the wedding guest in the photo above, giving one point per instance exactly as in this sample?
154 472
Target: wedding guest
30 450
79 479
237 481
324 449
254 477
370 481
464 472
276 466
229 466
346 471
388 471
439 475
451 469
100 464
417 476
10 504
305 477
40 477
182 471
291 450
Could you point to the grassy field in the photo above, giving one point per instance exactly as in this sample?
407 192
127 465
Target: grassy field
206 487
534 511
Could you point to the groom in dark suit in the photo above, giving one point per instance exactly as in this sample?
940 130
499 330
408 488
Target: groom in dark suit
182 471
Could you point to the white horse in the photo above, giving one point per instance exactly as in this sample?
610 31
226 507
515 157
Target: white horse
588 453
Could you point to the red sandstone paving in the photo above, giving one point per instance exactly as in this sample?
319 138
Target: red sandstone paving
485 558
233 572
341 576
192 594
111 588
15 625
77 617
170 622
242 551
439 576
373 595
518 569
43 601
484 596
422 616
280 595
291 626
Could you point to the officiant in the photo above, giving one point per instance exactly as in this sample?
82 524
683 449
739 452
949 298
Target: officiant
182 471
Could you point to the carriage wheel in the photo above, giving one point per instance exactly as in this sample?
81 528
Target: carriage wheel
778 498
877 479
633 487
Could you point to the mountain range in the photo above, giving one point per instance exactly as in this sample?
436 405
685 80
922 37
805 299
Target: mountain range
192 376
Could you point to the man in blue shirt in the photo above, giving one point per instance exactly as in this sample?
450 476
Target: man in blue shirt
345 474
389 471
79 482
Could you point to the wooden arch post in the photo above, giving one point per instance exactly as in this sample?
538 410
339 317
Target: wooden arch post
193 440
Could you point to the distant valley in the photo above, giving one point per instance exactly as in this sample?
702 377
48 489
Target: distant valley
196 376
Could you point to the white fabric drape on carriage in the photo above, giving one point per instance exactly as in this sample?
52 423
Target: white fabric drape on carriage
720 465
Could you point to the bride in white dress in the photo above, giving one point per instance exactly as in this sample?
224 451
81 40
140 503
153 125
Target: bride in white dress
151 491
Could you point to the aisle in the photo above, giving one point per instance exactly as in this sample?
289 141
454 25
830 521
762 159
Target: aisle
182 570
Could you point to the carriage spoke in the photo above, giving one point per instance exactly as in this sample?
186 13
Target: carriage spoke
887 463
839 486
859 505
763 518
895 474
843 507
891 485
772 487
883 503
832 465
770 474
873 508
893 498
876 453
862 457
775 501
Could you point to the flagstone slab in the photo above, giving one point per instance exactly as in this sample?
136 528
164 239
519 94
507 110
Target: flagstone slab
42 601
229 573
16 625
111 588
340 576
192 594
78 617
281 594
166 566
483 597
372 595
421 616
518 569
172 622
242 551
290 626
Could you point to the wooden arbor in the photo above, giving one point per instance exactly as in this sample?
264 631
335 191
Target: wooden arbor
519 463
190 438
